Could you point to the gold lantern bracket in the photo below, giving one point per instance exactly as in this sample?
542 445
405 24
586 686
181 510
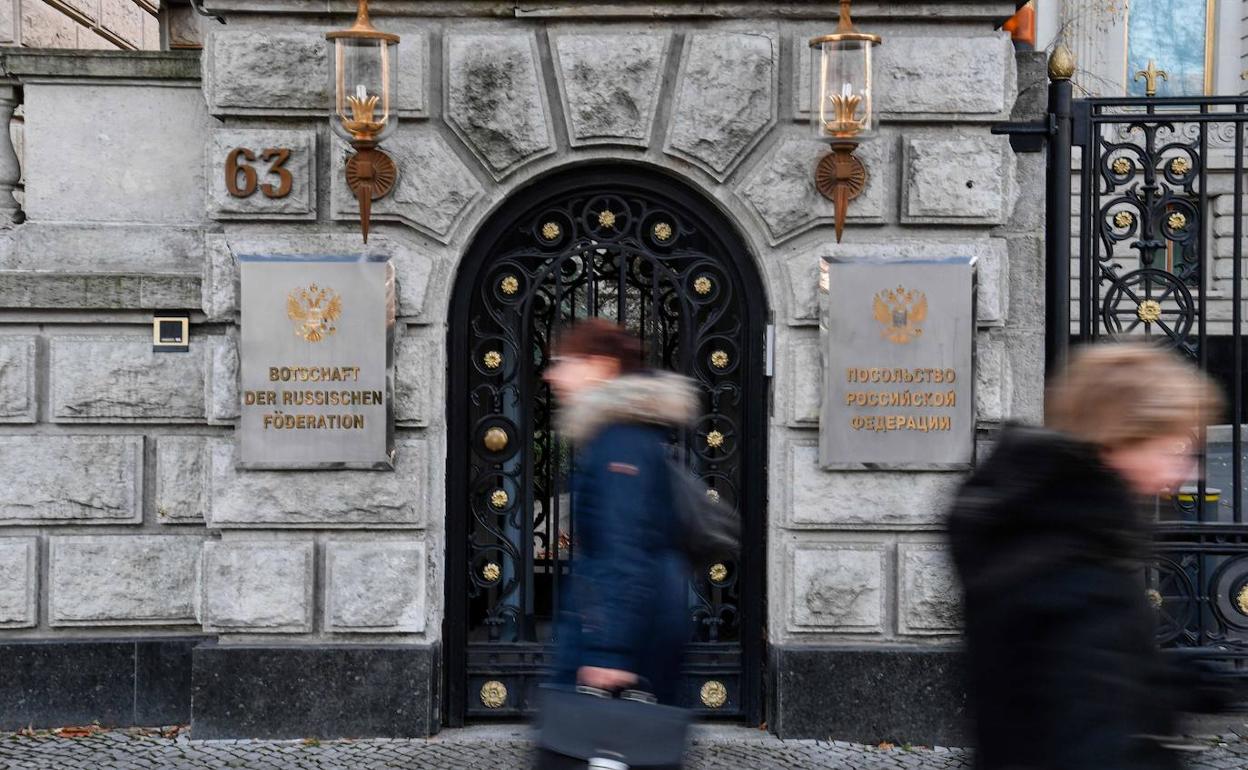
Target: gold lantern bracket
370 173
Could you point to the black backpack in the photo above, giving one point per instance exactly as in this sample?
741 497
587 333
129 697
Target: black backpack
710 531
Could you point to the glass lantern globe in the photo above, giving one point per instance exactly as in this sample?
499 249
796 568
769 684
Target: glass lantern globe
364 71
842 89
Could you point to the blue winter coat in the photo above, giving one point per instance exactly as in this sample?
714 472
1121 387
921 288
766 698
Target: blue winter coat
626 605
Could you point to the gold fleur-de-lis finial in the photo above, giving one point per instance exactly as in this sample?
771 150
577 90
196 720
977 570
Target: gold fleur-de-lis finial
1150 75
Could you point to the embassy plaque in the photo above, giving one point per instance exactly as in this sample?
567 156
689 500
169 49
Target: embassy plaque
317 362
898 341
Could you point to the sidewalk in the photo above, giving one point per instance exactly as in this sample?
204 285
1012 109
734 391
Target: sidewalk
483 748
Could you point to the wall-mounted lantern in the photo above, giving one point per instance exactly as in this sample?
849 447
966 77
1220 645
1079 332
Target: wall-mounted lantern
843 109
364 72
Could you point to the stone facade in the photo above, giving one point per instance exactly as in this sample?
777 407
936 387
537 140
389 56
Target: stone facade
118 476
83 24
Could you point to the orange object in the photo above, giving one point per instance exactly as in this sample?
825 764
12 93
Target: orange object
1022 25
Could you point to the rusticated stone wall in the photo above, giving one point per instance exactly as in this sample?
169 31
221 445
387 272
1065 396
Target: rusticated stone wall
120 505
83 24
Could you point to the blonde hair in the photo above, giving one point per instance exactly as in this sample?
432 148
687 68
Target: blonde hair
1116 394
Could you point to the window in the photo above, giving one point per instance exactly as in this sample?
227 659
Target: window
1176 36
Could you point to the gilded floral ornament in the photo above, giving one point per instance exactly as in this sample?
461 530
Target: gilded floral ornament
1123 219
1154 598
606 218
1149 311
719 359
510 284
1180 166
714 439
551 230
493 694
1241 600
1177 220
702 285
491 572
492 359
663 232
713 495
714 694
499 498
718 572
1121 165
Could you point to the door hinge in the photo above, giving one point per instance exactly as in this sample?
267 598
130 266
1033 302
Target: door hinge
769 350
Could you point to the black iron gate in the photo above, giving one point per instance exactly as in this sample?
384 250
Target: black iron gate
1158 233
640 250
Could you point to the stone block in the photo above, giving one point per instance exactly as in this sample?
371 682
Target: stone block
114 153
8 22
91 40
19 582
992 280
950 78
225 396
413 264
108 291
375 586
496 98
186 29
181 479
418 389
781 189
994 385
155 251
151 33
819 499
295 174
63 479
838 588
930 600
18 401
120 379
958 180
320 499
725 99
123 580
805 373
45 27
124 19
610 85
261 586
433 191
266 72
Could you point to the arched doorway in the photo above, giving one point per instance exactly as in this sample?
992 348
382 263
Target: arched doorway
642 249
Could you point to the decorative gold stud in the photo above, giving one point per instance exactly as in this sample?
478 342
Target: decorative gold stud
491 572
495 439
493 694
1177 220
1123 219
662 231
492 359
714 694
718 572
1180 166
510 284
1154 598
1148 311
606 218
719 359
1121 166
702 285
499 498
714 439
551 230
713 495
1241 600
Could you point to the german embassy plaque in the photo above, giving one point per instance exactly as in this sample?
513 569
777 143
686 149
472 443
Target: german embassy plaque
317 362
898 341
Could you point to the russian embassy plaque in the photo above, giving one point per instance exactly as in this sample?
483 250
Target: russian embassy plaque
898 341
317 362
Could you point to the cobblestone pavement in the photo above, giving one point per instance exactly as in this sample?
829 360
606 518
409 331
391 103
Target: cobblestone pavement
496 748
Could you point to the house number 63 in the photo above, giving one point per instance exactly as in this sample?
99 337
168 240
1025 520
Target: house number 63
241 179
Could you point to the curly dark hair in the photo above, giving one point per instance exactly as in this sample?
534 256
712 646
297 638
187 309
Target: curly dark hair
600 337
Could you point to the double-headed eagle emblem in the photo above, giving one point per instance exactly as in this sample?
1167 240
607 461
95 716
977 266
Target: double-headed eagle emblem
314 311
900 312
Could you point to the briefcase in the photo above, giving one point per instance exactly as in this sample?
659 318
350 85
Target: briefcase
588 728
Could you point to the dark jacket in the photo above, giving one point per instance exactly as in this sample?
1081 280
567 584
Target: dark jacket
626 605
1063 673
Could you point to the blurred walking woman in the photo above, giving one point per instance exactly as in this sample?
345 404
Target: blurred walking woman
627 616
1049 540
